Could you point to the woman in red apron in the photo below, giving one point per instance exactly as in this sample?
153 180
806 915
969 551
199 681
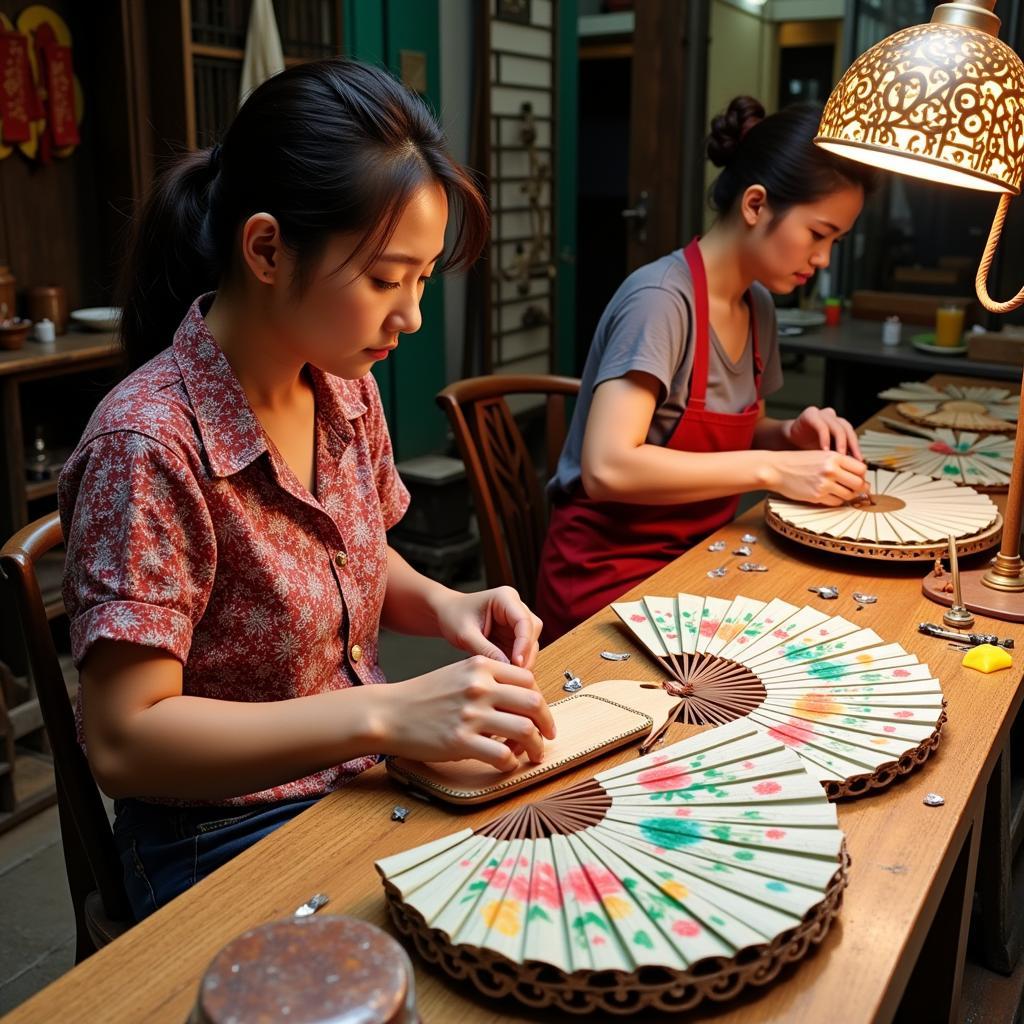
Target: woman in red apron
693 335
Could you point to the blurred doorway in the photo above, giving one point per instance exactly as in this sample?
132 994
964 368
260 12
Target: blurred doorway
642 90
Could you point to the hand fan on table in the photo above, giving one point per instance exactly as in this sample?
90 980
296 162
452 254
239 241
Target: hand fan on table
981 460
683 875
908 516
963 408
857 710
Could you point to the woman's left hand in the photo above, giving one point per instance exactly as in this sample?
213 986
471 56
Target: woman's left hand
822 429
494 623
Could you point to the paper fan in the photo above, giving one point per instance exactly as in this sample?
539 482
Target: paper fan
858 711
908 516
685 874
943 454
964 408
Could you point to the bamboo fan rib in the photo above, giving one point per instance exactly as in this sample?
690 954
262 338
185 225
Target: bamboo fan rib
684 874
943 454
857 710
963 408
908 508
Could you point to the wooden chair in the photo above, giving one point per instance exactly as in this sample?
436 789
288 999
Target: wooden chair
102 911
510 505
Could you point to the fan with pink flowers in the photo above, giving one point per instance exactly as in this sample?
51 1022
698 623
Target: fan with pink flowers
682 876
857 710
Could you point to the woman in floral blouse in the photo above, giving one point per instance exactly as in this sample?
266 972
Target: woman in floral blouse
225 511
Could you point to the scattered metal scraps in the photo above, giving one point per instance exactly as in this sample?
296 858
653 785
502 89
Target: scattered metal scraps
719 545
313 904
749 538
399 813
745 551
752 567
572 683
933 800
615 655
718 573
829 593
864 598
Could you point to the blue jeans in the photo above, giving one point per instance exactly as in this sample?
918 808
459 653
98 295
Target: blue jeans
165 850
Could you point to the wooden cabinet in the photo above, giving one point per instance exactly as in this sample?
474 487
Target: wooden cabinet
54 387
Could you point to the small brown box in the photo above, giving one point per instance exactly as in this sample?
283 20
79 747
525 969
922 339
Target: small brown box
1005 346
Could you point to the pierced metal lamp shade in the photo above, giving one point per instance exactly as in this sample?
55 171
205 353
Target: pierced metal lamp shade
942 101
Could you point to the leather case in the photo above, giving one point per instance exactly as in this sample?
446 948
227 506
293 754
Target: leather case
586 726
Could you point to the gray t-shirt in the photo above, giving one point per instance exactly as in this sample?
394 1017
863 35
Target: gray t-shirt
647 326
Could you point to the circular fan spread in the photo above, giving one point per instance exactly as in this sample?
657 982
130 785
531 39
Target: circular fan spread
905 508
685 874
857 710
943 454
964 408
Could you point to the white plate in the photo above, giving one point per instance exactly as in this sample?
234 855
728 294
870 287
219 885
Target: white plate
799 317
97 318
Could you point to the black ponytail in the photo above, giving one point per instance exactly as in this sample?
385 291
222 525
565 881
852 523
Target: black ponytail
326 147
777 152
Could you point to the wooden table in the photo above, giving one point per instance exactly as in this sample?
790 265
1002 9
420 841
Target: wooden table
857 364
900 936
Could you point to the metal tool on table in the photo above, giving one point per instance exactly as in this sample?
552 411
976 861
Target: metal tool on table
313 904
963 639
958 616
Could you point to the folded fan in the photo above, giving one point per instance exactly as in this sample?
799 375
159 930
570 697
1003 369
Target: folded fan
982 460
906 508
963 408
857 710
682 875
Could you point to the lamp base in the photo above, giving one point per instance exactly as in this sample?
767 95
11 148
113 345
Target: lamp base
982 600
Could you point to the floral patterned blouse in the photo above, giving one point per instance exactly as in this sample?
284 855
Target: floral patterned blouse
187 531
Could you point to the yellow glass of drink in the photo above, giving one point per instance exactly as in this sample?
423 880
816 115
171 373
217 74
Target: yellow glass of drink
949 326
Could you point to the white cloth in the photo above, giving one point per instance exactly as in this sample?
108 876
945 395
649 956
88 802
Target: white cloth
263 54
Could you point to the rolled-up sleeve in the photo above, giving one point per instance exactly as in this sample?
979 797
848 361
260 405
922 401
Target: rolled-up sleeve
142 552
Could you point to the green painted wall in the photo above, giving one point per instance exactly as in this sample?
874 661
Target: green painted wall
377 31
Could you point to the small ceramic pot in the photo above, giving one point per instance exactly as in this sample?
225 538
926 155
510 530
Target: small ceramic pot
13 336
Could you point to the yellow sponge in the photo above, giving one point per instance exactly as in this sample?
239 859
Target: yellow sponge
987 658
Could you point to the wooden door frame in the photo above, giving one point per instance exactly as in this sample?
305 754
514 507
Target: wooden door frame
667 115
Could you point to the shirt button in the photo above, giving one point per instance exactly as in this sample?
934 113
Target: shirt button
341 559
356 651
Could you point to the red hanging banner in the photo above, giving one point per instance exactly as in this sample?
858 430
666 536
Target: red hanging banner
17 93
60 96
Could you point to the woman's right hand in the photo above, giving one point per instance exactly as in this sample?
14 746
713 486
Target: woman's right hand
457 711
819 477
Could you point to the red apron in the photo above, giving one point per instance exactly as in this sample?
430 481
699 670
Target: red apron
597 550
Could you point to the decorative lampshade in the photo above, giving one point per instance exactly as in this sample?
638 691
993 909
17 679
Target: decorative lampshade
942 101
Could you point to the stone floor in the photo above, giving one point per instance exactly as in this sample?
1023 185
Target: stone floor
36 922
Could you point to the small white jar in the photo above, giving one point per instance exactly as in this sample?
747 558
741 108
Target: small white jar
891 330
44 332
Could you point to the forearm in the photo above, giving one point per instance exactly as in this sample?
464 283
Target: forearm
195 748
411 600
772 434
653 475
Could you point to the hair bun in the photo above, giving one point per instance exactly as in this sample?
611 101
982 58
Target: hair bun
729 129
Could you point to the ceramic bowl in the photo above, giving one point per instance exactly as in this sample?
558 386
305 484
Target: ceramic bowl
97 318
